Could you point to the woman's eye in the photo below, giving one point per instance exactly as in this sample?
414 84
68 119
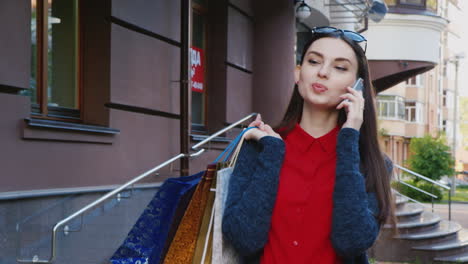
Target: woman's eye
341 68
311 61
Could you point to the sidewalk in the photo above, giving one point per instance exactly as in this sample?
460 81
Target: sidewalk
380 262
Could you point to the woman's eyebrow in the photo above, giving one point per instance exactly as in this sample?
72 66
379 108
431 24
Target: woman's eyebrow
316 53
321 55
343 59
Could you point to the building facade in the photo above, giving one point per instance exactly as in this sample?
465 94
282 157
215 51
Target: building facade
94 93
416 100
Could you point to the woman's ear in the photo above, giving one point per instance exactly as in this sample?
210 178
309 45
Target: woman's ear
297 73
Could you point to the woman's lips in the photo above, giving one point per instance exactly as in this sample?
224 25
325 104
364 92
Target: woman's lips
319 88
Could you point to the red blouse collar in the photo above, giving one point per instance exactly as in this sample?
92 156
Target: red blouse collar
303 140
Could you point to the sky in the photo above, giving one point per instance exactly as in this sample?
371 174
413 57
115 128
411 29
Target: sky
462 20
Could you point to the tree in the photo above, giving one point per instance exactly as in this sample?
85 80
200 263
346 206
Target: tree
431 157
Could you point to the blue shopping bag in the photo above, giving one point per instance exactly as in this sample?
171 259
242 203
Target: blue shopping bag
148 240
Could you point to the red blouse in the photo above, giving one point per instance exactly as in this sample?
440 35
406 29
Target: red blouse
301 222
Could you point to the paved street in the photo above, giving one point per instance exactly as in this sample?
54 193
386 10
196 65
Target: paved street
459 212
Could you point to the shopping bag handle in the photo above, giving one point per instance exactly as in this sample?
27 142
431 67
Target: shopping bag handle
230 148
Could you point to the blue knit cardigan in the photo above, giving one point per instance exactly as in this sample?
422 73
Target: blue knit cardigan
253 188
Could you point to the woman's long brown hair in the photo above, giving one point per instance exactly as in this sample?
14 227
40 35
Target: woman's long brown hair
372 159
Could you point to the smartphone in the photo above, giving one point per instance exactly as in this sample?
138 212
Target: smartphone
359 85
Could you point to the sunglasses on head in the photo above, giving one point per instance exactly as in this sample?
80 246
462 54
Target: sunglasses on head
354 36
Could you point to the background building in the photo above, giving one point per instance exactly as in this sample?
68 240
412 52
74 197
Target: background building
420 100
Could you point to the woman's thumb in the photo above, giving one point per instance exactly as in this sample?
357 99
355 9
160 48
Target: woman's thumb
258 118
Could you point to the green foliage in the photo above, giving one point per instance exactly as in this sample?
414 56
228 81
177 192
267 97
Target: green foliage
431 157
461 194
415 194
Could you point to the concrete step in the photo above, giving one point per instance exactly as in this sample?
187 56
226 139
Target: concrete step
444 229
460 242
409 211
400 200
391 247
460 258
450 248
426 221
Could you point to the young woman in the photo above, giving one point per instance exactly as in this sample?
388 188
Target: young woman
317 188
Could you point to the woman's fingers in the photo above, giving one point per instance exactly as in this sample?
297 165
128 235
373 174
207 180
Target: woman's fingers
354 97
261 130
353 103
271 132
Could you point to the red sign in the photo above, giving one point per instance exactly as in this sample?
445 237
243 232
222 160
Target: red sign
197 69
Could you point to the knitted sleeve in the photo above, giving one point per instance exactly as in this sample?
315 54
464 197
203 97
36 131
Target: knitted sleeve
354 226
252 193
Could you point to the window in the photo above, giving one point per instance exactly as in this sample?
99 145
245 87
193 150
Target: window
414 81
391 107
447 127
413 2
198 66
432 5
429 5
414 112
54 81
447 98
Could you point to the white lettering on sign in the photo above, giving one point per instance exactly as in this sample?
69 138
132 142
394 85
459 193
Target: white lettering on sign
195 58
197 69
197 85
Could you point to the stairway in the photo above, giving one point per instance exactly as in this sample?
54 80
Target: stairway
26 226
422 237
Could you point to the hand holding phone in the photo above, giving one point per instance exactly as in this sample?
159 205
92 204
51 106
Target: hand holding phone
358 86
355 110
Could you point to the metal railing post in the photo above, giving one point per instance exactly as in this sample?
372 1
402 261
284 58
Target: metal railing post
450 204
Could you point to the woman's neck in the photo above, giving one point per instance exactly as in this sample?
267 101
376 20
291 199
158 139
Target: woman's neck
318 122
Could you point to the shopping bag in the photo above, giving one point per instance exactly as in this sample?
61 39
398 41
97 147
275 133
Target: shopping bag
148 240
182 247
202 253
193 242
222 251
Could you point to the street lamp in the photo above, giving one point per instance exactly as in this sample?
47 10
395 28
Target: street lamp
303 10
455 60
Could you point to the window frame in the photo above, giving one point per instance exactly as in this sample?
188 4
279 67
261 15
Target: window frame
415 81
41 108
394 102
423 6
201 128
416 110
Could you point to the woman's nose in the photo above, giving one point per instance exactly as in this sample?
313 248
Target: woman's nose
323 72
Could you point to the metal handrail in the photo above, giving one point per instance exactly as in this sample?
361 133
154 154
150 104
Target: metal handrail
122 187
430 194
194 147
409 198
422 177
418 189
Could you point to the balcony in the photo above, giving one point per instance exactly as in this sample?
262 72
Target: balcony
404 44
414 130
